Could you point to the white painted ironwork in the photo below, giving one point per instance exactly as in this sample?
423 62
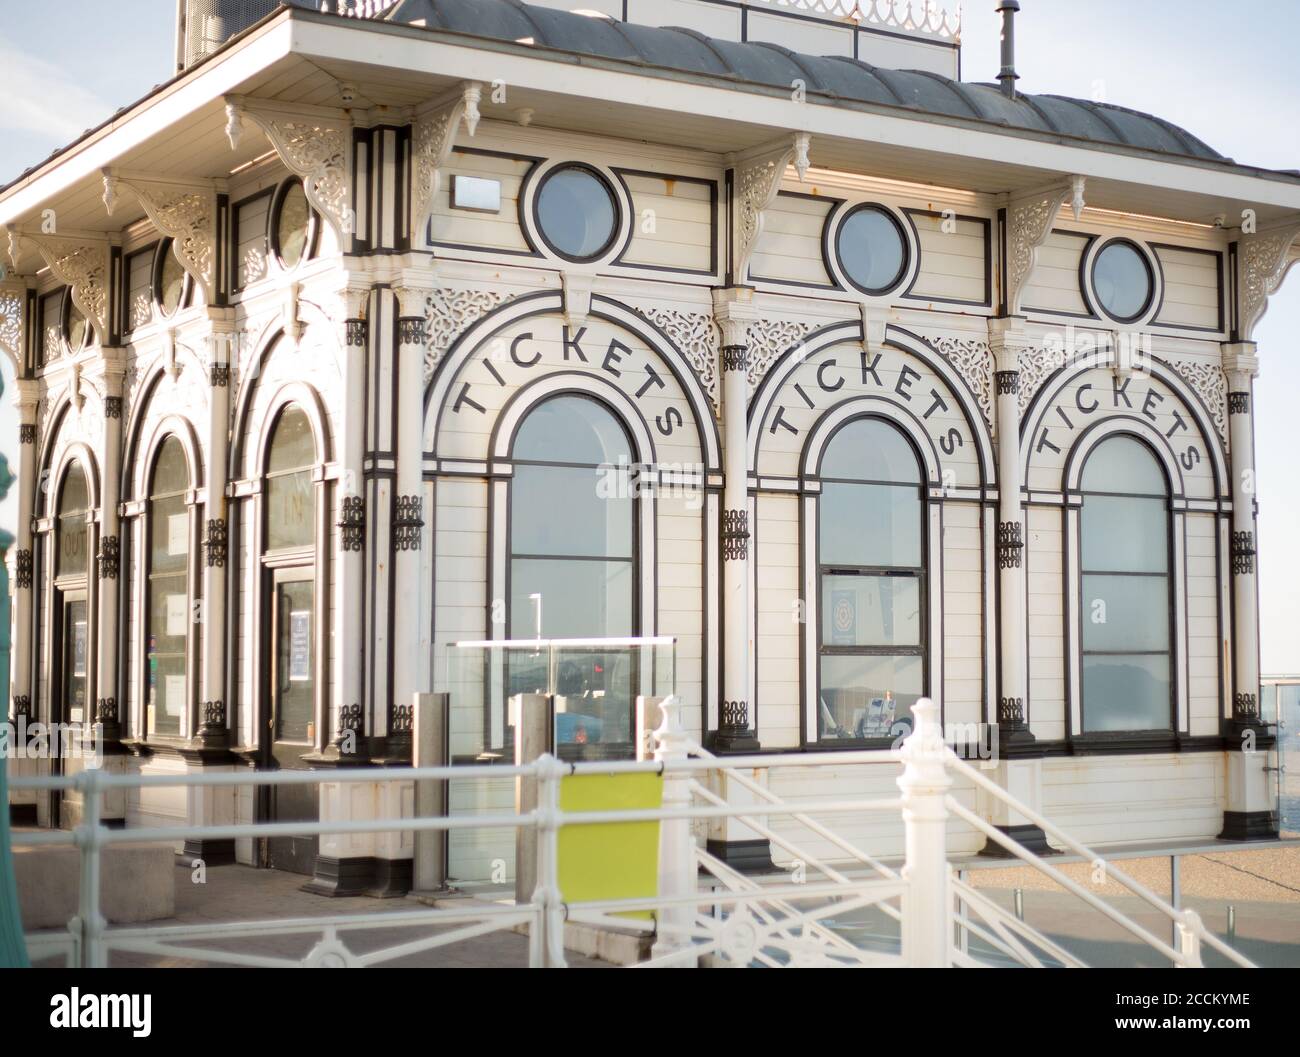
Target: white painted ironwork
910 16
730 919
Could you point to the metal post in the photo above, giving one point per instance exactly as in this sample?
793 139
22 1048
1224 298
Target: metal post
677 867
1189 939
648 720
1175 893
430 750
533 727
89 840
547 932
962 931
924 783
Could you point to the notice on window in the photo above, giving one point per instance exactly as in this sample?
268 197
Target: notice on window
79 649
174 695
178 534
300 645
177 611
844 618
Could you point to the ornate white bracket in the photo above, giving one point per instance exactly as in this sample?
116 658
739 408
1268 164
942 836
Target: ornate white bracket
315 144
1029 222
758 176
184 212
1262 264
433 136
80 262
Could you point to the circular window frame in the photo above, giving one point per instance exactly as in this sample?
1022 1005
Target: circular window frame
65 322
273 227
906 274
620 233
1155 275
187 285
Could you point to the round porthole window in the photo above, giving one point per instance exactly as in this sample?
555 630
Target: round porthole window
1122 281
171 281
292 225
872 250
576 212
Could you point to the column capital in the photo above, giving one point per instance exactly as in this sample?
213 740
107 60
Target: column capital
734 311
1241 357
1008 336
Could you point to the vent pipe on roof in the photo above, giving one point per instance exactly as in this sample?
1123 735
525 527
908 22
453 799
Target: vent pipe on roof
1008 77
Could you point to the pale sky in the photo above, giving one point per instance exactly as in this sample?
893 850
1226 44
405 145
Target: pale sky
68 64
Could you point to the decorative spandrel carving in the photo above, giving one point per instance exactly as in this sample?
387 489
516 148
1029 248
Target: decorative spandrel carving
448 313
11 322
768 340
696 336
1036 365
1211 385
973 360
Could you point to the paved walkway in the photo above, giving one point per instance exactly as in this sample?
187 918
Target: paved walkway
243 894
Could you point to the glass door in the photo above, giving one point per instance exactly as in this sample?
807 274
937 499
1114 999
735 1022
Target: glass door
290 728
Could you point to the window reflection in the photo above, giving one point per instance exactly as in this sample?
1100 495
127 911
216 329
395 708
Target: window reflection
290 496
168 598
573 568
1124 559
871 570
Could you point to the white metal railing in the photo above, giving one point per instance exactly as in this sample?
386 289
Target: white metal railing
731 918
911 16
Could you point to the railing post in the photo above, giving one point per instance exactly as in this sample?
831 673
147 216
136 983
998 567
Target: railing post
678 871
430 750
533 727
89 840
927 907
546 946
1189 940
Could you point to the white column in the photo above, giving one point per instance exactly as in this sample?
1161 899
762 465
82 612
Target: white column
1006 339
214 717
1018 769
350 517
1250 803
409 673
1242 365
25 399
733 309
107 565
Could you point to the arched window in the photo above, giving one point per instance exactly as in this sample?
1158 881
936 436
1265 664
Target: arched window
71 611
289 561
1127 604
289 498
871 579
168 595
573 561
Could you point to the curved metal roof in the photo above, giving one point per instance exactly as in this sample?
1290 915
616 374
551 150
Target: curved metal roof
689 51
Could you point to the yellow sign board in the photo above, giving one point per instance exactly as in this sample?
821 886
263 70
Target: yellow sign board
610 860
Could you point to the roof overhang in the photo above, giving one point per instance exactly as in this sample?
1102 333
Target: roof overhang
297 57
